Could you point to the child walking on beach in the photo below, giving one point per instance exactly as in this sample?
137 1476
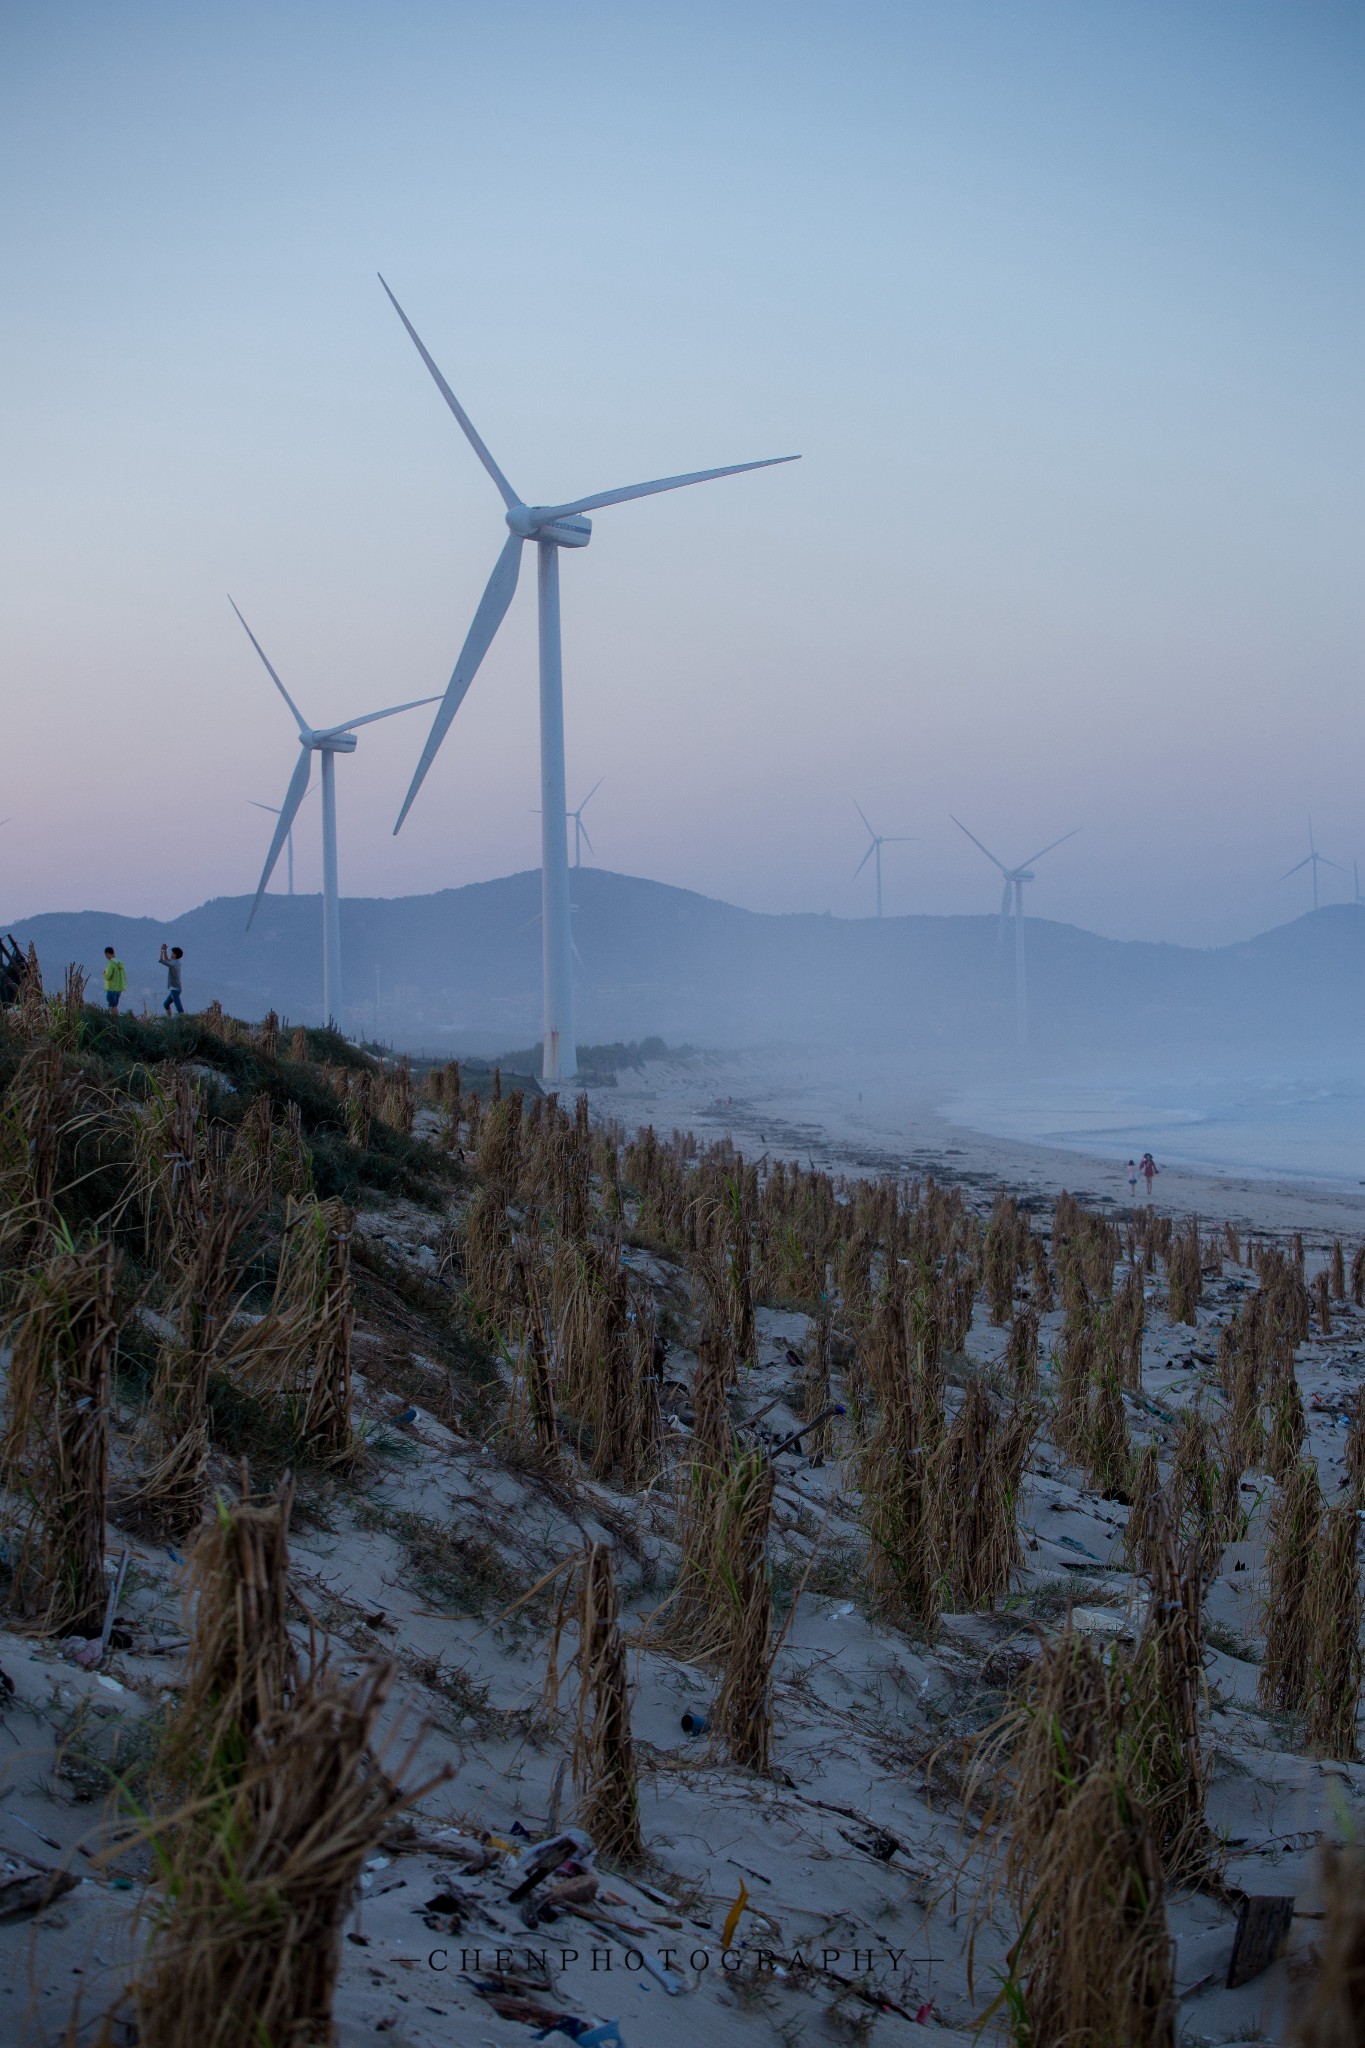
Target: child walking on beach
1132 1180
1150 1169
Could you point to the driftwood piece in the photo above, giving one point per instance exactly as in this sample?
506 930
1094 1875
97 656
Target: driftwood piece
1263 1923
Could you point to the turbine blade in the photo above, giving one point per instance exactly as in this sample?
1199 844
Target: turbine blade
289 810
1047 849
592 793
273 809
663 483
299 718
863 815
863 862
370 716
976 842
1297 865
498 594
583 830
1323 860
509 496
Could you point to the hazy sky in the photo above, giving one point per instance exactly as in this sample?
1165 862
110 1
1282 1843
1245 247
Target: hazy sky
1060 303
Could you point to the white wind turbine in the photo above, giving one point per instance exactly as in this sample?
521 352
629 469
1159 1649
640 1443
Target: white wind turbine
551 527
274 811
1315 860
1015 879
580 830
874 851
327 741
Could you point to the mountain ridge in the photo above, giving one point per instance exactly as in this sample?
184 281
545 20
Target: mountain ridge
462 966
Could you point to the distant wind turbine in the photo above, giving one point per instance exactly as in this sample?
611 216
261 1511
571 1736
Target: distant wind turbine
580 830
874 851
328 741
1315 860
274 811
1015 879
551 527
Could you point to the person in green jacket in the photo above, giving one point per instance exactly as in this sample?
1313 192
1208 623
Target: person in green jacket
115 978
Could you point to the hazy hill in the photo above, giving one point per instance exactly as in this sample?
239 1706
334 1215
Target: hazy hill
462 968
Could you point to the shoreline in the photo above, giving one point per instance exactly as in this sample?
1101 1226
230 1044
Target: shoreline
870 1119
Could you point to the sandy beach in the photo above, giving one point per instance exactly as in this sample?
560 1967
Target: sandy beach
865 1115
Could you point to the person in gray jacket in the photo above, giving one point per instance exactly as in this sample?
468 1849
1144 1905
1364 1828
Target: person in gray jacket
171 962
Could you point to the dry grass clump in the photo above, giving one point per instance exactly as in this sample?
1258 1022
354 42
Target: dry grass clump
1292 1542
698 1625
1332 1624
1331 2013
1069 1839
603 1750
744 1708
896 1465
258 1878
976 1479
54 1453
1185 1274
277 1794
242 1668
603 1350
171 1495
1021 1353
300 1355
1167 1686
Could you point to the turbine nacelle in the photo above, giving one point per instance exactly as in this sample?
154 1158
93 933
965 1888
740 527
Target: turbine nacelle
329 742
538 522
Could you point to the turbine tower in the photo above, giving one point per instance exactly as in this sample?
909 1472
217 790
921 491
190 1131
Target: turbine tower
580 830
328 741
1314 860
1015 879
551 527
874 851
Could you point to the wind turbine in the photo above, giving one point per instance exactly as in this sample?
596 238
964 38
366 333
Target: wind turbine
1015 879
551 527
1315 860
580 830
874 851
328 741
288 840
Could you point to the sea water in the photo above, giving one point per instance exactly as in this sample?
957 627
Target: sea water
1303 1126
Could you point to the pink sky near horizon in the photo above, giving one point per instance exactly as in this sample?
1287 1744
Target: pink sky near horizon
1061 307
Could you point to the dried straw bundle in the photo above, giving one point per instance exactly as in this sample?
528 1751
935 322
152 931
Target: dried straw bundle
1167 1687
1332 1691
1293 1538
300 1354
1021 1353
489 1259
604 1359
1331 2016
259 1878
172 1493
744 1708
977 1473
1078 1860
242 1669
54 1453
698 1625
37 1117
603 1751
